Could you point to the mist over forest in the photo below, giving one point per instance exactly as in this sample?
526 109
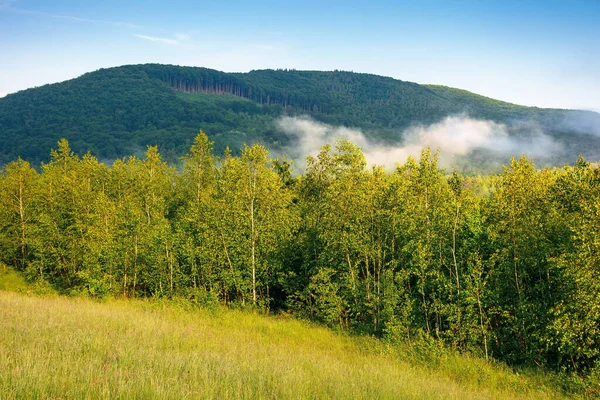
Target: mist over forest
117 112
419 216
316 200
456 137
501 266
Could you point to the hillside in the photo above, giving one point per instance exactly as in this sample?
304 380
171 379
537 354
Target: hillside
77 348
119 111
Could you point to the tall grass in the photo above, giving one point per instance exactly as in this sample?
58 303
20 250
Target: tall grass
11 280
78 349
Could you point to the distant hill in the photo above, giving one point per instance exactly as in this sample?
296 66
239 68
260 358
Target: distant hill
118 111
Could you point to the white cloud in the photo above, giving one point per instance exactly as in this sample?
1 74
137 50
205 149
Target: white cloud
455 136
586 122
170 42
6 4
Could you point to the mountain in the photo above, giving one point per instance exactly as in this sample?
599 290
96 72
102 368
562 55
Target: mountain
118 111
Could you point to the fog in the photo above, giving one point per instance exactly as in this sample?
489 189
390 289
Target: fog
580 121
455 136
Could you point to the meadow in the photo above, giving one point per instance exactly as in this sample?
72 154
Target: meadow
55 347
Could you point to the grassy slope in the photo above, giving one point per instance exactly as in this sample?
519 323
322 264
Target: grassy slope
76 348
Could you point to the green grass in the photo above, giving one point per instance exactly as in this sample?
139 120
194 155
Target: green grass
11 280
57 347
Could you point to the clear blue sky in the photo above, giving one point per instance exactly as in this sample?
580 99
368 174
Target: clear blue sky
543 53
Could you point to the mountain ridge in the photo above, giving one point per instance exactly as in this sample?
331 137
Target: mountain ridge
115 112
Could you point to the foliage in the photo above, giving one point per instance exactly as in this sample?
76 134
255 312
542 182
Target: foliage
11 280
119 111
503 267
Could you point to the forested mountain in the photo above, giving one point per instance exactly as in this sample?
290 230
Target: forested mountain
119 111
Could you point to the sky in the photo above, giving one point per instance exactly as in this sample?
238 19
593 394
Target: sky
538 53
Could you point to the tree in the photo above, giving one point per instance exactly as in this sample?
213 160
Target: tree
575 328
197 221
522 226
18 184
256 216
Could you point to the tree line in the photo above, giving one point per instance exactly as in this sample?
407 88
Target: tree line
116 112
503 266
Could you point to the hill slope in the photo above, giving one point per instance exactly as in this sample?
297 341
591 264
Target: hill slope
118 111
76 348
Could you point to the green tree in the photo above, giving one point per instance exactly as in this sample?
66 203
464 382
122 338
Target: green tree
523 225
575 329
197 224
18 185
255 214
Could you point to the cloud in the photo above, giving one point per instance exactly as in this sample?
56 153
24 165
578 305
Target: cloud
2 94
455 136
170 42
6 5
581 121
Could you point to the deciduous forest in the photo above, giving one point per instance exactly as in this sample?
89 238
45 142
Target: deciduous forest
116 112
501 266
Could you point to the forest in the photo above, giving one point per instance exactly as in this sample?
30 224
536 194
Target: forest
116 112
501 266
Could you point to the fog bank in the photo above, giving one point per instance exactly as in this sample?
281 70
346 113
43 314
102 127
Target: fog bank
455 136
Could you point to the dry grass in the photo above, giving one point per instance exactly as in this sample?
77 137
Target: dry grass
77 349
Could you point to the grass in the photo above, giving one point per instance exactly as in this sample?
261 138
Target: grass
73 348
11 280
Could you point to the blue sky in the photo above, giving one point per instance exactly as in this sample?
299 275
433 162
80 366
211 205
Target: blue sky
542 53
